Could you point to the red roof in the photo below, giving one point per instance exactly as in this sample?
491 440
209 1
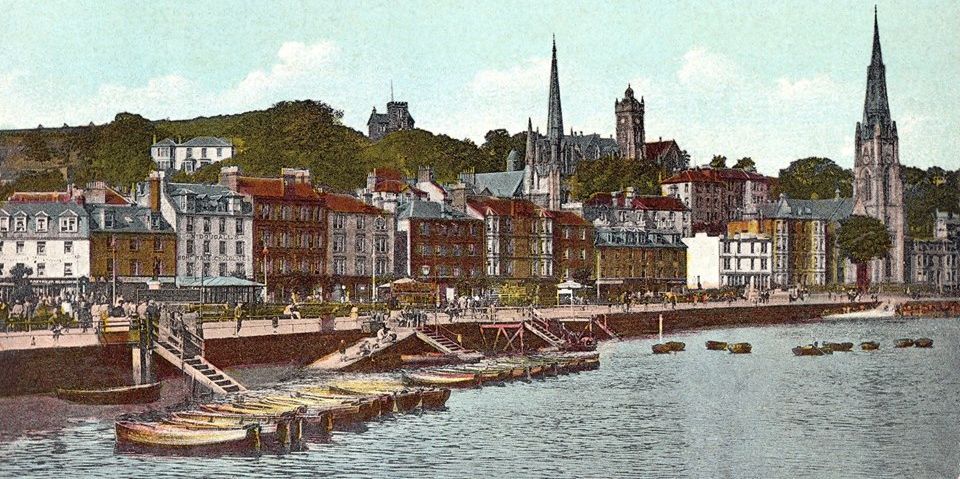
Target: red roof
387 174
714 175
348 204
656 149
396 187
503 206
638 202
111 197
274 188
40 197
567 218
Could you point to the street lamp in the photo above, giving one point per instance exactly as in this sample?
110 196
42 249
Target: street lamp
203 271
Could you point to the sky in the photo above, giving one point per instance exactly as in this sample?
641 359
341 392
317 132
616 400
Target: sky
774 81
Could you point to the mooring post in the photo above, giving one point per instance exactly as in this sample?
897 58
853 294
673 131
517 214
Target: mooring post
660 327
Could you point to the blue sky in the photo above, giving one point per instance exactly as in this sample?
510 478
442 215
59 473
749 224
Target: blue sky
772 80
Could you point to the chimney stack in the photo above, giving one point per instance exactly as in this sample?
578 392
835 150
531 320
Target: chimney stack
424 174
154 191
229 176
628 193
458 194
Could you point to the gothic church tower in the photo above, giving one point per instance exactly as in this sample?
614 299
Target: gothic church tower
630 135
878 184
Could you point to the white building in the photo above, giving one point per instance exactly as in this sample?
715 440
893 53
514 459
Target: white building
703 261
50 238
214 228
192 154
746 260
743 260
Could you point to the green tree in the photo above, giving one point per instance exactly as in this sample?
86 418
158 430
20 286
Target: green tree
614 173
814 178
36 148
925 193
861 239
718 161
408 150
499 143
20 275
121 155
746 163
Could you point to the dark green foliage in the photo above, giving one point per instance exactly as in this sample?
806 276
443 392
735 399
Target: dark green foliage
718 161
46 180
746 163
614 173
926 192
863 238
498 144
410 149
19 274
815 178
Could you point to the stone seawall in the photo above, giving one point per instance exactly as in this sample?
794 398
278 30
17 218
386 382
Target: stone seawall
934 309
31 371
642 323
300 348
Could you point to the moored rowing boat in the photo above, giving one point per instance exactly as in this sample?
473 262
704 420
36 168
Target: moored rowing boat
174 438
139 394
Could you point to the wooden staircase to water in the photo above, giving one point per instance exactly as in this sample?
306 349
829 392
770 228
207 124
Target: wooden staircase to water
171 349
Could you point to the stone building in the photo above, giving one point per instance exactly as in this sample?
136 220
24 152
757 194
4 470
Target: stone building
518 236
191 155
936 262
214 227
626 209
360 247
396 118
387 188
637 261
631 136
440 245
289 230
52 238
878 181
133 242
804 232
718 195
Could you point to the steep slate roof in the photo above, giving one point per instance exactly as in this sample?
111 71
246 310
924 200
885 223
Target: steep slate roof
656 149
214 282
430 210
378 118
51 209
505 184
348 204
165 142
207 141
638 202
275 188
128 219
607 236
503 206
787 208
208 196
714 175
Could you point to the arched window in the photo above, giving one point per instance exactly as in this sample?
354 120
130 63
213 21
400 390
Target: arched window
867 187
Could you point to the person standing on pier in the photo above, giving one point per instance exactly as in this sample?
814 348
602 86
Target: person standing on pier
343 350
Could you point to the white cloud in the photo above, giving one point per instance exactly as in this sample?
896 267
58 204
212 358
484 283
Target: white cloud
298 70
522 78
703 69
805 89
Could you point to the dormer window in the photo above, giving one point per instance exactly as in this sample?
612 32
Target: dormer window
68 225
41 224
108 220
5 224
20 224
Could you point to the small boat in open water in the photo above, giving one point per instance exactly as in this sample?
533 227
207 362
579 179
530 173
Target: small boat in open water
661 349
139 394
903 343
923 343
676 346
716 345
811 350
839 347
869 345
740 348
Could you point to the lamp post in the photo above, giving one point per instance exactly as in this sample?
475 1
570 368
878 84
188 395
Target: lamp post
203 272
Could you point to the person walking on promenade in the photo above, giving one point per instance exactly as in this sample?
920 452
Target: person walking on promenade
343 350
238 315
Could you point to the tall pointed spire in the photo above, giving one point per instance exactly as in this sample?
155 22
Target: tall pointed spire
876 108
529 156
554 111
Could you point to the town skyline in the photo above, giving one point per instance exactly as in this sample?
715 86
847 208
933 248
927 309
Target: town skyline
711 96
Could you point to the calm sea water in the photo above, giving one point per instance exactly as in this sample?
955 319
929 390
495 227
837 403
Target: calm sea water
889 413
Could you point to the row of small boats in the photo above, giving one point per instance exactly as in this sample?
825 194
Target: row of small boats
280 421
817 349
503 369
677 346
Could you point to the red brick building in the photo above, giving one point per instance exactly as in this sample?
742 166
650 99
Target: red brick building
289 230
359 249
573 251
716 196
440 245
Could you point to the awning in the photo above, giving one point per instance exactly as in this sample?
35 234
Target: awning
569 284
215 282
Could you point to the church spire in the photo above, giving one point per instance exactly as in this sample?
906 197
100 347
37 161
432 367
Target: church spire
530 155
876 108
554 111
